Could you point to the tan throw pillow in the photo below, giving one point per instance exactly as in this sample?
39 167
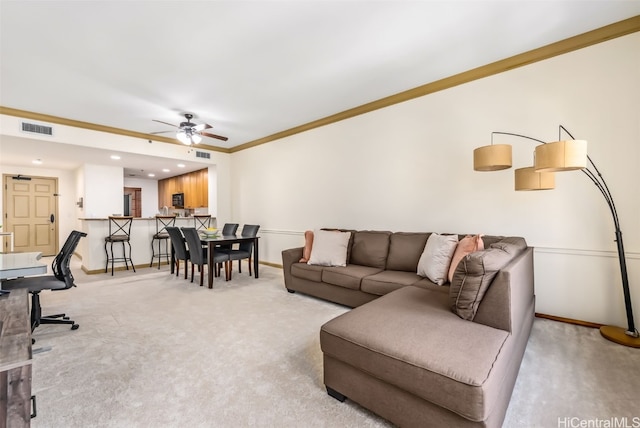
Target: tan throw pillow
308 244
436 257
329 248
476 271
467 245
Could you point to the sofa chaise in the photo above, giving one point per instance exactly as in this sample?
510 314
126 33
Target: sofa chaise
414 352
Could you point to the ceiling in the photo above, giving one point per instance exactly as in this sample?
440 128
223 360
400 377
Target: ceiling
252 69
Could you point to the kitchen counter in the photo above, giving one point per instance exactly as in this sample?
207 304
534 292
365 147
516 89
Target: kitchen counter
91 248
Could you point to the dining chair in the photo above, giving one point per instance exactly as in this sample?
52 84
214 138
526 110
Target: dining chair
119 231
201 221
161 235
62 279
198 254
245 249
180 251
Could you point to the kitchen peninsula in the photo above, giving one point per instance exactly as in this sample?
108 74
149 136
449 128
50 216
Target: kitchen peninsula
91 249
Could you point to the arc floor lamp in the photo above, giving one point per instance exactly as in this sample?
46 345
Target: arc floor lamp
567 155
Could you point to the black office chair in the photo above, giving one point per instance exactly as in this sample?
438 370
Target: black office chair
245 249
61 279
198 254
180 251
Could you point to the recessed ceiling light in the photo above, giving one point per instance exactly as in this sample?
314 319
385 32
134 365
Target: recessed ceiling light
115 157
180 165
166 170
151 174
37 161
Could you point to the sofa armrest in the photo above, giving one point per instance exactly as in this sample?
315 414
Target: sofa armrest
507 301
289 257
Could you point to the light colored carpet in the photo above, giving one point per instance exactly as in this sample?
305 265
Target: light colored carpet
154 350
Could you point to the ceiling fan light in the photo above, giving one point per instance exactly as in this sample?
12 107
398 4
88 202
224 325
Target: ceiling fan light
183 138
195 138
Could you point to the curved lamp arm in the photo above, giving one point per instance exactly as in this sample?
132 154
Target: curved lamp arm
597 179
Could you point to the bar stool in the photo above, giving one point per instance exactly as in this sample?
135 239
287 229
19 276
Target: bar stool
119 231
201 221
162 222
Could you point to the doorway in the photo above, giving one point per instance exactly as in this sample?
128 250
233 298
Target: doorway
31 212
133 201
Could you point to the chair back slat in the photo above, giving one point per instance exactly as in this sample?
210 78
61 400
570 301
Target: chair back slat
120 226
201 221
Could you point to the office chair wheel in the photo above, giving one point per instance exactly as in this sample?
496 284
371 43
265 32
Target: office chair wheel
75 326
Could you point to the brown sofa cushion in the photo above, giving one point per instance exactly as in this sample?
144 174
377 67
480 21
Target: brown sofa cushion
475 272
410 339
349 276
405 250
387 281
370 248
305 271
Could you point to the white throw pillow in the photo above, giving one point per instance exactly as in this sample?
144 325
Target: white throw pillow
329 248
436 257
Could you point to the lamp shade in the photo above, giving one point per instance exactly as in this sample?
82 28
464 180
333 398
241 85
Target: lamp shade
492 158
195 138
529 179
561 156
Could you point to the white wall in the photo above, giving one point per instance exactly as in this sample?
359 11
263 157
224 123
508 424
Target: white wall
408 167
149 190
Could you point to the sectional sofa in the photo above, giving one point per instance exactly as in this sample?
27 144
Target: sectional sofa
414 352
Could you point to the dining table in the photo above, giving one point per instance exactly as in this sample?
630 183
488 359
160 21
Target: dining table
213 241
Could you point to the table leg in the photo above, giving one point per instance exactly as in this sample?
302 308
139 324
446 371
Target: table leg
255 258
210 266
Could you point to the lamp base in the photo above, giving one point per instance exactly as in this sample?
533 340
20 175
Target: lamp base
617 335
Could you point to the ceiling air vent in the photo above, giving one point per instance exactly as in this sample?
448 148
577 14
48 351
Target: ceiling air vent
37 129
203 155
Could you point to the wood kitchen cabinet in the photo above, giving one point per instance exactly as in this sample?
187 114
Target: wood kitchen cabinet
194 185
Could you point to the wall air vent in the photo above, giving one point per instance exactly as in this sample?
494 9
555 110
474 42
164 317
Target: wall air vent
203 155
37 129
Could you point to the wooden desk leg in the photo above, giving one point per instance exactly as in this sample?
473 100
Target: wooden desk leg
211 267
255 258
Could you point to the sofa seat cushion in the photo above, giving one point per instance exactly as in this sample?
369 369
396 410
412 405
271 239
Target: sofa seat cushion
348 276
410 339
426 283
306 271
388 281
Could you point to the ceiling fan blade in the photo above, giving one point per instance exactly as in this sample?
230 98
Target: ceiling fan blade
202 126
166 123
219 137
161 132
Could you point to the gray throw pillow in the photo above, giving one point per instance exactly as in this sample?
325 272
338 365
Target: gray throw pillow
476 271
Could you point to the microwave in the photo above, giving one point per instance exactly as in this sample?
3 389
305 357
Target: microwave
177 200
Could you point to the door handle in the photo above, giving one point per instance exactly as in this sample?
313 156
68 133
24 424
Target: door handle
52 218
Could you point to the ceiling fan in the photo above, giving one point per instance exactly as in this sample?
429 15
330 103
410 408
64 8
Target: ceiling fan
190 133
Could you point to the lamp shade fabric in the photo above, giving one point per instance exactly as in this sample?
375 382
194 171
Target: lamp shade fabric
529 179
492 158
561 156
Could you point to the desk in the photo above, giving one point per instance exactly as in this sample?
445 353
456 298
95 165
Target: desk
15 360
230 239
13 265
